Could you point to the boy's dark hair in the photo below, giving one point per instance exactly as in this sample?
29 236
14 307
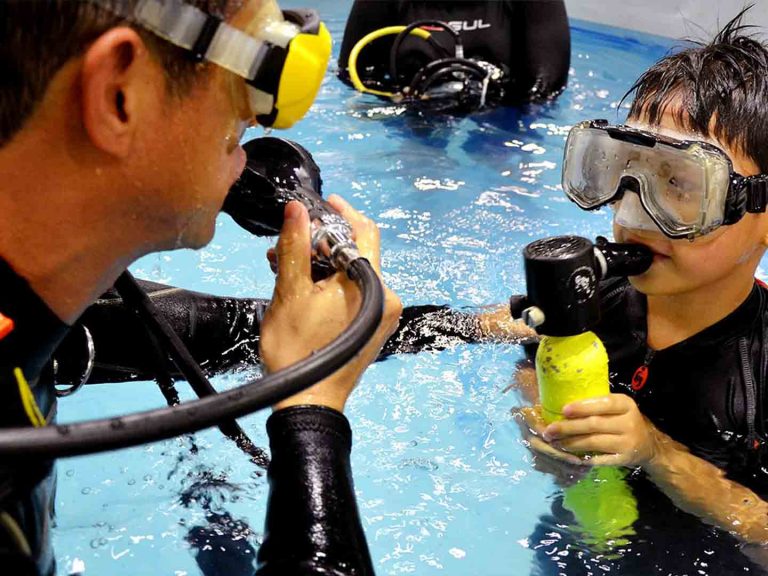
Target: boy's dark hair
37 37
722 87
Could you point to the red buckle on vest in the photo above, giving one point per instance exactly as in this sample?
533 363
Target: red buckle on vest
639 378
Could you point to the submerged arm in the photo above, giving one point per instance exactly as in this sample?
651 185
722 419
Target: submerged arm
223 332
614 428
701 488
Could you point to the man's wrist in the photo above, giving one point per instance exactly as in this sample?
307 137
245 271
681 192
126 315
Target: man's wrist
309 398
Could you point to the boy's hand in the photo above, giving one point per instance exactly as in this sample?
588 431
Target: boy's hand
304 315
566 468
610 427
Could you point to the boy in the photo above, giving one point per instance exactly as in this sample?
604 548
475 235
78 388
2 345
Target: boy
686 339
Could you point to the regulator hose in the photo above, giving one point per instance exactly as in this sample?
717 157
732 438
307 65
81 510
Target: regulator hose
90 437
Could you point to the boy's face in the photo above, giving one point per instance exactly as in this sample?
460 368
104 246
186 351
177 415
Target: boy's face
680 266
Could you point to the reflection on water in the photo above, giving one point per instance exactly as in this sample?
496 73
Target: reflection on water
445 483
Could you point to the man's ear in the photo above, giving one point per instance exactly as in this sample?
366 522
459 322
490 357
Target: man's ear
116 72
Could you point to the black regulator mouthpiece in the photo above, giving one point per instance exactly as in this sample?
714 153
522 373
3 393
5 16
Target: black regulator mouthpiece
278 171
562 275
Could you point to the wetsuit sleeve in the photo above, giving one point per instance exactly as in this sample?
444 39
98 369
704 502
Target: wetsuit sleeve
220 332
365 17
312 525
432 328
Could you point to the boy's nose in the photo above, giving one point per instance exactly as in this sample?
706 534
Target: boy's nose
628 212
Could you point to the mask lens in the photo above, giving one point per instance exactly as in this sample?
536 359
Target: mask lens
592 167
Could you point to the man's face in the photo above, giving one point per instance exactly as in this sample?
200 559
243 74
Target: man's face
195 150
681 266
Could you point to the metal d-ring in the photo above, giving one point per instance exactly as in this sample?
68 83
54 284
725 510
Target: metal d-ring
91 351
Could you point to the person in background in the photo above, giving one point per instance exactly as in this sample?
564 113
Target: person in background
460 55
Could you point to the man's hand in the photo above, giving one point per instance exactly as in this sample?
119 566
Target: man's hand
610 428
305 316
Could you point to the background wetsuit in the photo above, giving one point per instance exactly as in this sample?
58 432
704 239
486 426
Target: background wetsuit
707 392
530 38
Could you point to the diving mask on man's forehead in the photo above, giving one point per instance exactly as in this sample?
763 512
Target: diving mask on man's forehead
688 188
282 56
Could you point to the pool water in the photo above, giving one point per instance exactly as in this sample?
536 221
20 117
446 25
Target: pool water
444 482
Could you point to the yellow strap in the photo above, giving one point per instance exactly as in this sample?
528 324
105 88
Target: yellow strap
28 400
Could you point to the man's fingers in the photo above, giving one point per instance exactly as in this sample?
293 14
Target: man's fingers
365 230
294 251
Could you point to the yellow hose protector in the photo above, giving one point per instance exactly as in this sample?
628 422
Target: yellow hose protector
302 75
354 77
572 368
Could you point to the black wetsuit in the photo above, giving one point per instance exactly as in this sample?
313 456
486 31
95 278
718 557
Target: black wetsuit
26 487
221 332
530 38
312 525
707 392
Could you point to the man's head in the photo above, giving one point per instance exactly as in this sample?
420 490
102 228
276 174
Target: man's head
38 37
717 93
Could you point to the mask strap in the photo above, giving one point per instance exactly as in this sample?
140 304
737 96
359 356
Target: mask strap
750 195
757 193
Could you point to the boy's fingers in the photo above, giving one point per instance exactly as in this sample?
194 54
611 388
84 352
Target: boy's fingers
605 460
294 251
272 259
366 233
602 443
541 447
582 426
613 404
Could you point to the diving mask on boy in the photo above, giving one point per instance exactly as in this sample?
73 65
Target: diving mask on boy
282 56
687 188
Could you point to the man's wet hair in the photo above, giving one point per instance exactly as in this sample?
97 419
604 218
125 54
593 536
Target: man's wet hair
721 88
37 37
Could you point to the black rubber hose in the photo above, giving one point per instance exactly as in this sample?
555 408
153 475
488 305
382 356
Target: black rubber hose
429 80
446 63
168 340
394 54
122 431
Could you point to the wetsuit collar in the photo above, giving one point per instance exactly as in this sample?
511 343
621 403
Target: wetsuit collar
36 334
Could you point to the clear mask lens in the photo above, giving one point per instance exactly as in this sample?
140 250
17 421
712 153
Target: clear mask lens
630 214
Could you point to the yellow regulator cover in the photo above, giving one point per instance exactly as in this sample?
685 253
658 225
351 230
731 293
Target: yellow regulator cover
570 368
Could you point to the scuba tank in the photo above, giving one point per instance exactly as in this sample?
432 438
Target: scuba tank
562 275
